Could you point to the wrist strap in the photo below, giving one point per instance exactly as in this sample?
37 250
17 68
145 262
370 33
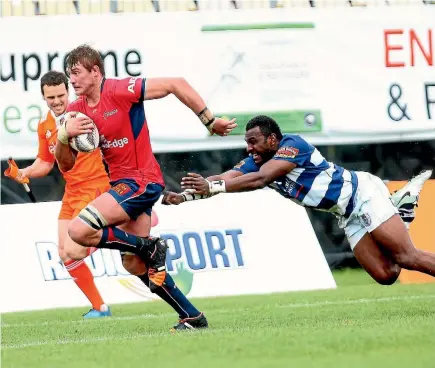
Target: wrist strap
193 197
207 118
62 134
217 186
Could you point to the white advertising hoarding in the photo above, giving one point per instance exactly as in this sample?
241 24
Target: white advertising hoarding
379 73
348 76
224 245
266 68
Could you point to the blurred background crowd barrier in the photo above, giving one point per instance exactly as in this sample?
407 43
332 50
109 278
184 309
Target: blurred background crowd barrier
52 7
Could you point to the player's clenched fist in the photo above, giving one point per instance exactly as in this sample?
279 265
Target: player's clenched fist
79 125
172 198
15 173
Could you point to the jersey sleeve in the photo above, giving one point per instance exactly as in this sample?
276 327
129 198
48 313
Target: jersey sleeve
43 146
130 90
296 150
246 166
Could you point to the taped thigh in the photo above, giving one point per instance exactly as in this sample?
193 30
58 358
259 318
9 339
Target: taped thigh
91 216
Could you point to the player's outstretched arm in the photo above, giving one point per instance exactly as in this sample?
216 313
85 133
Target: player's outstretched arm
180 88
38 169
268 173
172 198
227 175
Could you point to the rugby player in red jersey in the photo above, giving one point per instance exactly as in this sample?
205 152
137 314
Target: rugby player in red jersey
120 218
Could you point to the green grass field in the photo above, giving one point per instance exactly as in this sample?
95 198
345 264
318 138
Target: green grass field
360 324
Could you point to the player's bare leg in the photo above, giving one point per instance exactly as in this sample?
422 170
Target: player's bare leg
388 247
393 237
96 227
378 265
80 272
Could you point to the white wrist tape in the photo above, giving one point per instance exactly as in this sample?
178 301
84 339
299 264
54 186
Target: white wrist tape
217 186
62 134
193 197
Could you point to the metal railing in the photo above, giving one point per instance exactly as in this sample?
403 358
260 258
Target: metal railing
57 7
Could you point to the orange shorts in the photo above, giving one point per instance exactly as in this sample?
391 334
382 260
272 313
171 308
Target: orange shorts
75 199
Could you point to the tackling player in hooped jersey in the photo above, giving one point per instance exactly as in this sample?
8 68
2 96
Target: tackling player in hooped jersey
120 219
361 201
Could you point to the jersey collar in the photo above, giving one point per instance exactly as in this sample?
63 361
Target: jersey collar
57 118
102 84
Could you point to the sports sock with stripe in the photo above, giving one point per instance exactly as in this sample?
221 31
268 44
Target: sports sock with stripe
172 295
114 238
82 276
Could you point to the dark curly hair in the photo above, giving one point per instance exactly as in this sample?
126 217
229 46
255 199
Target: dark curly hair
266 124
53 78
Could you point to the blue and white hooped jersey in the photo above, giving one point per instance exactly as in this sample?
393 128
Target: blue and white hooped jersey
314 182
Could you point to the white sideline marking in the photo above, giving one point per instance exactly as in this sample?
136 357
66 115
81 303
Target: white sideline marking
154 334
216 311
104 320
80 341
357 301
108 338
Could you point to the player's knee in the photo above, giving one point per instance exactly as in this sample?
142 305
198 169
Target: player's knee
388 276
85 227
133 264
63 255
79 233
75 251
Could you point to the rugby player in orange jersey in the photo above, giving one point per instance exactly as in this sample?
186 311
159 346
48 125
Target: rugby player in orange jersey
85 182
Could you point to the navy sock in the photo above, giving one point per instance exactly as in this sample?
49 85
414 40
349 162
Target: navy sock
114 238
172 295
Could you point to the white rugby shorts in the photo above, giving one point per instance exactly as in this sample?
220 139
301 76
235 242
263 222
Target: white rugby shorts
373 207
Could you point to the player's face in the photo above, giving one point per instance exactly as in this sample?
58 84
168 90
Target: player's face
83 80
259 147
56 98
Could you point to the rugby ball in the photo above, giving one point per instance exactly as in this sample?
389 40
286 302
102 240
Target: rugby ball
87 142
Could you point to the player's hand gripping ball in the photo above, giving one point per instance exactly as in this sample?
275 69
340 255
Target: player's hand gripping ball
83 132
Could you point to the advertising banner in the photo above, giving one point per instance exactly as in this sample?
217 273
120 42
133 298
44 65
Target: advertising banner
220 246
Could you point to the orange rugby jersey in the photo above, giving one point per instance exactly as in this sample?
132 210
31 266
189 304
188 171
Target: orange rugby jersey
88 166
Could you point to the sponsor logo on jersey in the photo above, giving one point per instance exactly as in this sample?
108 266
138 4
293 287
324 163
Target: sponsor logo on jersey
52 147
109 113
287 152
131 84
289 185
240 164
105 144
